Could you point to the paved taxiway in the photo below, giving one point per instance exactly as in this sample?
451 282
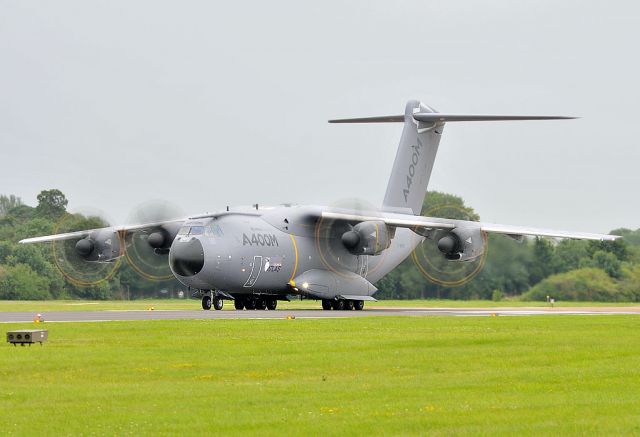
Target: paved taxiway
104 316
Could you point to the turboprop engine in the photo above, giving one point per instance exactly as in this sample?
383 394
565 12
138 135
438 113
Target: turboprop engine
367 238
162 237
102 245
462 244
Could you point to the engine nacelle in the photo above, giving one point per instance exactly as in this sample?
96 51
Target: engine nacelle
462 244
367 238
102 245
159 238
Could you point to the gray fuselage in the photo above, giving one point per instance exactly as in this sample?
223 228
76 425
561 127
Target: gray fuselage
253 251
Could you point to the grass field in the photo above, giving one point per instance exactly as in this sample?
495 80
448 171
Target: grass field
194 304
556 375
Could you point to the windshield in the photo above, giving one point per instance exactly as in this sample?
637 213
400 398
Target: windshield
191 230
197 230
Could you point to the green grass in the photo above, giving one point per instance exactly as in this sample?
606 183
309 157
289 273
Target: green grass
555 375
194 304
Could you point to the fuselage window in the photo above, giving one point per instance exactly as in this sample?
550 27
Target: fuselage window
184 230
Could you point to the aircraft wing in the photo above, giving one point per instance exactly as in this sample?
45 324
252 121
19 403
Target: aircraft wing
424 224
82 234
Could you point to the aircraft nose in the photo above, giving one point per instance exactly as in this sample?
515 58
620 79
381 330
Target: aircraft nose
186 257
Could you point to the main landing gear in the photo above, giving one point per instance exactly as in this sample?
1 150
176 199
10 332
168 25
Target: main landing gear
255 303
208 301
342 304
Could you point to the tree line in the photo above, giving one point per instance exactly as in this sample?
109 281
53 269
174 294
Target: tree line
30 271
531 269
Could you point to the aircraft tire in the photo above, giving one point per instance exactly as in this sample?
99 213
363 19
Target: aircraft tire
348 305
358 305
250 304
272 304
218 303
238 304
261 304
206 302
326 304
338 305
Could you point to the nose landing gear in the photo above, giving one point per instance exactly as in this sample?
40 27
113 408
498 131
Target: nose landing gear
209 300
206 302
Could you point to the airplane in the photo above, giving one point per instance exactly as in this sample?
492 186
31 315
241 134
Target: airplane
256 256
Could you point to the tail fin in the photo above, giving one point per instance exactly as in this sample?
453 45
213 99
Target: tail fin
417 150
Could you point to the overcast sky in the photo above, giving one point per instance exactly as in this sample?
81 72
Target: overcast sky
205 104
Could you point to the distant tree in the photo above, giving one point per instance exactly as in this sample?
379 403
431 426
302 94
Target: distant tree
21 282
7 203
630 283
589 284
101 291
438 204
630 237
497 295
620 248
52 203
20 213
543 263
569 254
606 261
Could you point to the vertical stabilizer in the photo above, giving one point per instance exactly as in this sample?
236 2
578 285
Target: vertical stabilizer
417 150
414 160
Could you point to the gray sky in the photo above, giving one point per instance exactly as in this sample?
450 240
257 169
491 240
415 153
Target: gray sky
206 104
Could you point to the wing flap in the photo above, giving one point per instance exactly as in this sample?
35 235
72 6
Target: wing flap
537 232
397 220
423 224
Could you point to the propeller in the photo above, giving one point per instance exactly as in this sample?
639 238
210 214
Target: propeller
147 250
430 255
91 260
336 240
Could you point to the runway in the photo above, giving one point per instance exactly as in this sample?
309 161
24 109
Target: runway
131 315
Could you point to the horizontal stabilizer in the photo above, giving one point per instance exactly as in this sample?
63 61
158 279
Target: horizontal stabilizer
430 117
383 119
438 117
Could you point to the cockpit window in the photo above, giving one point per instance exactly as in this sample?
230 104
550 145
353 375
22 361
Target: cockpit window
213 230
191 230
197 230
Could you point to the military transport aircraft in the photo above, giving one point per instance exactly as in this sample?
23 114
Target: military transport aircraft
256 256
